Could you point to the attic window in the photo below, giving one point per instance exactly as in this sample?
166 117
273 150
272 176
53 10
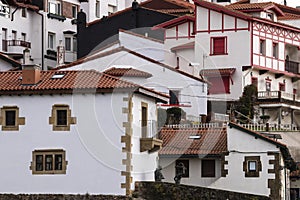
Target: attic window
194 137
58 76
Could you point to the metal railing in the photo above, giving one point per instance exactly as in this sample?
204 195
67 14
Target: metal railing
271 127
280 95
201 125
17 43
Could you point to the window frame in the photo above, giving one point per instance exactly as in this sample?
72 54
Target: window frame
262 47
70 43
174 93
281 87
74 11
205 173
24 12
213 41
97 8
57 7
51 41
51 169
246 166
144 122
226 80
53 119
18 120
275 49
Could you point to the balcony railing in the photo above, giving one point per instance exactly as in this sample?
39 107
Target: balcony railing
15 43
279 96
292 66
197 126
271 127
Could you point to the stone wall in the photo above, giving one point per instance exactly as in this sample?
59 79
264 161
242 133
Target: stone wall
61 197
169 191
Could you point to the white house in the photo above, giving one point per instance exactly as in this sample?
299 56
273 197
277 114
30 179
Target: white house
186 91
267 57
75 132
222 158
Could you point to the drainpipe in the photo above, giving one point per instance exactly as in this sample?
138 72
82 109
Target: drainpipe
12 14
42 64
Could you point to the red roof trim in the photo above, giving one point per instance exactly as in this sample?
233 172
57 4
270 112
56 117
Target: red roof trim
219 8
174 22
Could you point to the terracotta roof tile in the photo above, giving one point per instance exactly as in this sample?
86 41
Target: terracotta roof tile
247 6
289 16
88 79
213 141
218 72
127 72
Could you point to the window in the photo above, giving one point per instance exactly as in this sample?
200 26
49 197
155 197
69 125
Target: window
74 11
68 43
254 81
174 95
281 86
61 118
23 35
74 44
208 168
54 7
268 85
24 12
10 119
14 35
144 120
218 46
51 40
52 161
262 47
252 166
219 85
275 50
294 91
270 16
4 38
182 166
97 12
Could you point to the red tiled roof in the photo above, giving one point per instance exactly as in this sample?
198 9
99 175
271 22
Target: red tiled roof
88 79
217 72
23 4
176 3
127 72
10 60
213 141
289 16
248 7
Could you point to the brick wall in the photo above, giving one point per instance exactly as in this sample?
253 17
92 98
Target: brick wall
163 191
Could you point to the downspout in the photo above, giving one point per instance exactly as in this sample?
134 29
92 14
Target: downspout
42 64
12 14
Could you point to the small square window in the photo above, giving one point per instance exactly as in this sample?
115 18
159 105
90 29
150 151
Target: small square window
208 168
24 12
68 43
10 118
218 46
61 117
252 166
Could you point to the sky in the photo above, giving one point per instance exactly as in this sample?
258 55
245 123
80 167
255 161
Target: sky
293 3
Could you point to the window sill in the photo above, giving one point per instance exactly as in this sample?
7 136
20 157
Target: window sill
10 128
221 54
53 172
55 16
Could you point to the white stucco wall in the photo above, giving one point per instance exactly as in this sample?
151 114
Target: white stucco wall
195 178
191 91
93 145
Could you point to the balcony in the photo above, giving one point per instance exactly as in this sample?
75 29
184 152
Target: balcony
149 142
278 97
292 66
271 127
20 43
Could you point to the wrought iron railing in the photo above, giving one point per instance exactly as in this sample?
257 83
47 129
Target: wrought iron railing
16 43
271 127
292 66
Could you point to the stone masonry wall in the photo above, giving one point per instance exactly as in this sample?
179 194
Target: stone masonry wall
169 191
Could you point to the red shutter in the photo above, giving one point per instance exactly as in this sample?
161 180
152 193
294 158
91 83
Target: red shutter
219 45
220 85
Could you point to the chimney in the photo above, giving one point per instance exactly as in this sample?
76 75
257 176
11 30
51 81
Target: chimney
31 74
26 56
135 5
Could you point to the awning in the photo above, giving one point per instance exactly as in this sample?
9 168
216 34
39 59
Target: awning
217 72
